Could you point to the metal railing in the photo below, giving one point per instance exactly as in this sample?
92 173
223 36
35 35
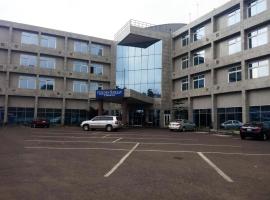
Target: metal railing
130 23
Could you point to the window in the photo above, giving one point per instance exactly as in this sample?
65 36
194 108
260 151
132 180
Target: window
199 34
28 60
97 69
258 37
233 17
185 40
46 62
80 47
185 62
234 74
198 57
80 86
256 7
184 84
95 86
198 81
80 66
234 45
97 50
258 69
48 41
27 82
46 84
29 38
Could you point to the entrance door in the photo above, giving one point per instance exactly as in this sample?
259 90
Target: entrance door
167 119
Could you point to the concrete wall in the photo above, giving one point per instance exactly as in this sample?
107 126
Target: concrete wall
229 100
15 56
49 103
23 102
3 56
4 37
222 48
76 104
259 97
202 102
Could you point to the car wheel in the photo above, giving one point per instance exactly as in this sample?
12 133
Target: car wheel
109 128
243 137
86 127
184 129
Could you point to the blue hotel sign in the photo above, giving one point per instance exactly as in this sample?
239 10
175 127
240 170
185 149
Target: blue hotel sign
103 94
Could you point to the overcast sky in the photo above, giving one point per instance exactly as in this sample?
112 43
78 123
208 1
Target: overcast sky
102 18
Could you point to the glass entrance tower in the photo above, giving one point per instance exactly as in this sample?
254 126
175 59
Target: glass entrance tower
140 69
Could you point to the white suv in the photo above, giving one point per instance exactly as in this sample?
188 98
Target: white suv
109 123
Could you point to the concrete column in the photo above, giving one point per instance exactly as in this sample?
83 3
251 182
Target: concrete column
63 111
190 109
124 106
6 110
214 112
100 107
36 107
245 107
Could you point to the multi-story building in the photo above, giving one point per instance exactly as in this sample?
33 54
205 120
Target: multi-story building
209 71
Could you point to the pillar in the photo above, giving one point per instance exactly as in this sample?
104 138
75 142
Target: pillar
190 109
63 111
100 107
36 107
124 112
245 108
214 112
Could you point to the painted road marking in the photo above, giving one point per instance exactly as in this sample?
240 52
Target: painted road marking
219 171
106 136
117 140
121 161
71 137
144 150
143 143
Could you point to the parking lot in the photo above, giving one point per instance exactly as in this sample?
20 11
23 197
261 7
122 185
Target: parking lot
68 163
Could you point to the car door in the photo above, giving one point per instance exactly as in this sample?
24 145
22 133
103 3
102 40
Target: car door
94 122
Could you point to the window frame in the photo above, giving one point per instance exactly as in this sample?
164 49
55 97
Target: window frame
48 38
80 45
185 40
259 32
197 56
47 60
47 80
32 38
196 35
232 17
27 79
255 4
81 85
238 69
185 82
94 47
197 79
185 59
95 66
80 64
28 57
234 43
251 67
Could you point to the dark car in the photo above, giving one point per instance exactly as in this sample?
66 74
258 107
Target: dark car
40 123
259 130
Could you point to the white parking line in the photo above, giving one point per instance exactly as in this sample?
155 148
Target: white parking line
121 161
219 171
106 136
142 143
117 140
143 150
75 148
71 137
